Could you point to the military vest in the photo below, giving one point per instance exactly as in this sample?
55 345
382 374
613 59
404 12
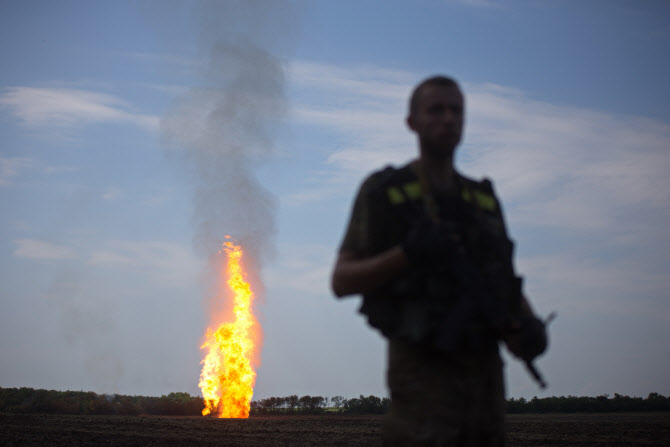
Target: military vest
415 305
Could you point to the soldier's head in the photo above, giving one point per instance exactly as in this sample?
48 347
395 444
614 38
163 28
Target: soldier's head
436 114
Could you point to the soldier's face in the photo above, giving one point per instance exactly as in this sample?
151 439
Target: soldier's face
438 119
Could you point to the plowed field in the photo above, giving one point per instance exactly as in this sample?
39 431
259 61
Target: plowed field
631 429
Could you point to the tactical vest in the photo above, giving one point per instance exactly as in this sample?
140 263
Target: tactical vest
414 306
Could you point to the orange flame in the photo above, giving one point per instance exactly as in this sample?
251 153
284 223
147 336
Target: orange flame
227 376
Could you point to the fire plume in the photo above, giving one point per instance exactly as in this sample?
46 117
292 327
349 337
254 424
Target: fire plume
227 376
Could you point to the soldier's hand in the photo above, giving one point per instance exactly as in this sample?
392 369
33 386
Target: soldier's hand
428 243
528 339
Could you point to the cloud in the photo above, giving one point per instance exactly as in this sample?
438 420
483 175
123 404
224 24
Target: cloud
161 261
112 193
364 107
34 249
58 107
9 168
363 82
301 269
60 169
175 60
555 165
618 286
564 166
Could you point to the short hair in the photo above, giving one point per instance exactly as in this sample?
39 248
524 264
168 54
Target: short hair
439 80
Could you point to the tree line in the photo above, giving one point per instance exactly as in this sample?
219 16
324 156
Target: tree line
319 404
599 404
29 400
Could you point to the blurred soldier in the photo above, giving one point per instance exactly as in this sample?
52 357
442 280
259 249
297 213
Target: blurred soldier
428 250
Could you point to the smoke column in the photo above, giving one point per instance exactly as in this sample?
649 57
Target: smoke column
224 127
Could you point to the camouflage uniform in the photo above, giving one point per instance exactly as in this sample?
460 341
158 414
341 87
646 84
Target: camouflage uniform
438 397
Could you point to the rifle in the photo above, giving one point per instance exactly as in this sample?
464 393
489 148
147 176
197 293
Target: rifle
479 294
479 299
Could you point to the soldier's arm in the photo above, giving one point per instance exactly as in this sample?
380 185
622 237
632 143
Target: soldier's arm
355 275
512 337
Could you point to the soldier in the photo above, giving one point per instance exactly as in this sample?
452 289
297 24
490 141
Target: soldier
428 250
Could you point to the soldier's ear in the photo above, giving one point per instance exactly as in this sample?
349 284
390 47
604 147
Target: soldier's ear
410 123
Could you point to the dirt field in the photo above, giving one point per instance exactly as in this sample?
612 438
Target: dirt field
631 429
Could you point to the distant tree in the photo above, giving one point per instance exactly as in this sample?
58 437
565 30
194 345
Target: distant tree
265 405
293 402
352 405
316 404
304 403
337 401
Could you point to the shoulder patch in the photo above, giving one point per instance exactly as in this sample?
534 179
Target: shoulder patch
485 201
400 193
480 193
412 189
395 196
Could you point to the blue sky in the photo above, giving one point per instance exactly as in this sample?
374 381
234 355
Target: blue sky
135 135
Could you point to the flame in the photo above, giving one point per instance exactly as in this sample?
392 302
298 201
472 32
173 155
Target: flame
227 376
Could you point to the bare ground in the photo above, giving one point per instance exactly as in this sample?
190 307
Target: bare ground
626 429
